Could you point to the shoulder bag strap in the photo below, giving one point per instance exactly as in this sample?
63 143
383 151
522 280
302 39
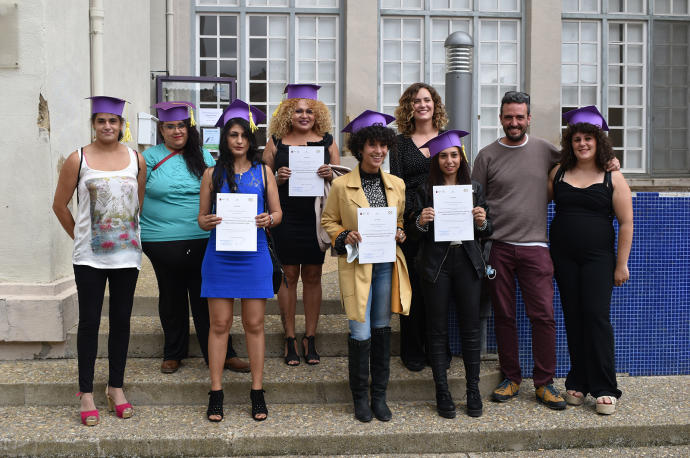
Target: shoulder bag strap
263 170
162 161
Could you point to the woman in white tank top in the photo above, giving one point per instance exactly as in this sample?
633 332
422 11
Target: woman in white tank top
110 180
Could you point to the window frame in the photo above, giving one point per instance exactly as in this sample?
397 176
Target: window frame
647 19
242 11
475 16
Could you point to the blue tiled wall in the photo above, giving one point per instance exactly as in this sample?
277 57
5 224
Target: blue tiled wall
651 313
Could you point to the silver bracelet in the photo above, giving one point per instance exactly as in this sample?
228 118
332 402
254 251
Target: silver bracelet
484 224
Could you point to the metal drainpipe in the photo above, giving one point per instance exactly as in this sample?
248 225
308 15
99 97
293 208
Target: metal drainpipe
96 18
459 84
170 36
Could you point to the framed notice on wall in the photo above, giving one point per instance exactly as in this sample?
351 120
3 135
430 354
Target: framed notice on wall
210 95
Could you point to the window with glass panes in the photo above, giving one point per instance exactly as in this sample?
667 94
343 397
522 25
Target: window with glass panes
266 44
580 64
412 38
642 77
670 97
499 72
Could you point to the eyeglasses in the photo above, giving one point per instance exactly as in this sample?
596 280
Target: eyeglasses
516 97
171 127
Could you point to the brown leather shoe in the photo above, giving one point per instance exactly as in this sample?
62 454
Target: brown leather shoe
170 366
235 364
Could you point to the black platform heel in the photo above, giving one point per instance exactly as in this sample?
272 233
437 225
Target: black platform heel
215 405
291 356
310 350
258 404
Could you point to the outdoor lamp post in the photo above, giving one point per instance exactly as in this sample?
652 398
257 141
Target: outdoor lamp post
459 107
459 84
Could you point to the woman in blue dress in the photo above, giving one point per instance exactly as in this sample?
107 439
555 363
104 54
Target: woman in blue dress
226 275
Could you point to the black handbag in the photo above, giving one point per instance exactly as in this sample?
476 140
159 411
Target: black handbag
278 273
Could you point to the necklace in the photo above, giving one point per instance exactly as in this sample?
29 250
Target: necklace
240 173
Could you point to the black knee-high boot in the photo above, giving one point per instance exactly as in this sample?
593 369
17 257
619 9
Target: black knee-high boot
439 360
471 358
358 364
380 372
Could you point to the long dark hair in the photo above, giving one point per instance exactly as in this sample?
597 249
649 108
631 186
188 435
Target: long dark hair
226 160
436 176
192 153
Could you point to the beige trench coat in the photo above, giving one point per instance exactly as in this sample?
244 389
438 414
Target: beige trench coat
340 214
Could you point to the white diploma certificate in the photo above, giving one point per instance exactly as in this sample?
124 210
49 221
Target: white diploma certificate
304 162
237 230
377 226
453 213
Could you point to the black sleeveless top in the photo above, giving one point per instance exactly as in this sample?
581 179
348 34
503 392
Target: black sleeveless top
584 216
295 237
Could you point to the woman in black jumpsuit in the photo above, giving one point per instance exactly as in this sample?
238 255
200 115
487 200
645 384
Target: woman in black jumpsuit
451 272
582 248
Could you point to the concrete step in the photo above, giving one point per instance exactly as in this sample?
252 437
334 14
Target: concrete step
146 338
148 306
652 413
54 382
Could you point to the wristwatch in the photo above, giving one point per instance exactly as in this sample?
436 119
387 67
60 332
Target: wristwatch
270 217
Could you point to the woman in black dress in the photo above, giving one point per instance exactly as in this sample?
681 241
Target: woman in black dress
300 120
420 116
585 264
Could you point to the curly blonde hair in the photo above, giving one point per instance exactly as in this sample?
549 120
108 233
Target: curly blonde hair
281 123
404 114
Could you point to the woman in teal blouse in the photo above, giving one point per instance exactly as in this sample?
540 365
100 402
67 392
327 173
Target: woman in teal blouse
171 237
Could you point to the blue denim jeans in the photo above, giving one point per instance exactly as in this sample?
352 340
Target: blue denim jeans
378 314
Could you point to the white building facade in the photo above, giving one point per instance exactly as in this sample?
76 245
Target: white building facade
631 58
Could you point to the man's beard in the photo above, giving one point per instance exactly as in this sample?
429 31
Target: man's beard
516 138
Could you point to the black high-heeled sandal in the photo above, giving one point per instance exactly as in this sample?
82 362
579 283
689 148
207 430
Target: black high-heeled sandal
291 357
310 352
215 405
258 404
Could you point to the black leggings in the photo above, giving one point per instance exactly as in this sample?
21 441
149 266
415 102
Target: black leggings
413 345
90 289
585 283
177 264
457 281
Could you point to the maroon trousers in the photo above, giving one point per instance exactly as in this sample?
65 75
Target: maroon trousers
534 271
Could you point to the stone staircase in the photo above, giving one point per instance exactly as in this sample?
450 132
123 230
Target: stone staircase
310 408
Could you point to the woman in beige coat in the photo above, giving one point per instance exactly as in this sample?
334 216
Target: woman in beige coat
369 292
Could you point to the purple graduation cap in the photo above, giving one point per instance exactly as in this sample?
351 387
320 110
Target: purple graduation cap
174 111
302 91
105 104
445 140
240 109
368 118
588 114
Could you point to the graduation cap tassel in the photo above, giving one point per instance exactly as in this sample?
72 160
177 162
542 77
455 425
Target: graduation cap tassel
127 137
464 154
275 112
128 134
252 126
192 122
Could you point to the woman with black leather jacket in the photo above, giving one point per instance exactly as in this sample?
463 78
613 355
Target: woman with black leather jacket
451 270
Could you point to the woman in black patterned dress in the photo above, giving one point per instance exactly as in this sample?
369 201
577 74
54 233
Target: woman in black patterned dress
420 116
300 120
